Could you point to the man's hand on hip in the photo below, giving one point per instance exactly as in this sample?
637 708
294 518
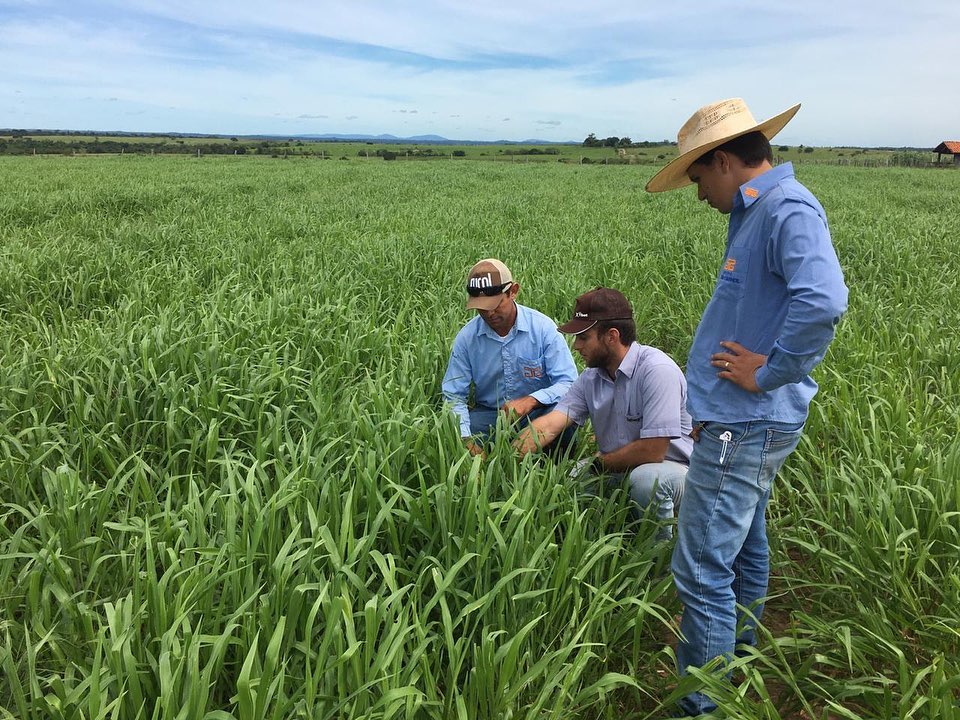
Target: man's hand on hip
738 365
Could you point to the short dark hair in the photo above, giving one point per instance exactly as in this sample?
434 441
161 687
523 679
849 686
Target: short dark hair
752 149
627 329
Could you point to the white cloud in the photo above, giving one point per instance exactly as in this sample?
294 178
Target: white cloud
877 77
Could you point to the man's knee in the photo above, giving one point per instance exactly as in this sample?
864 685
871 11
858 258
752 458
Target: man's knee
684 574
644 481
658 482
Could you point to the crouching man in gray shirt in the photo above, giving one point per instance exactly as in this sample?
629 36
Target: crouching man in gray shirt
636 397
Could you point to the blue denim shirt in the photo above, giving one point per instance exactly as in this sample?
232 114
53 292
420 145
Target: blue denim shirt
533 359
780 292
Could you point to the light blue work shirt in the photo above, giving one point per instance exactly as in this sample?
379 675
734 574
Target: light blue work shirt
533 359
647 399
780 293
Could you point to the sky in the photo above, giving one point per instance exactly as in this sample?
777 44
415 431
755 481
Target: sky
867 73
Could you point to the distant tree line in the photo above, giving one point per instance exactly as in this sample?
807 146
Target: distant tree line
621 142
531 151
25 145
20 143
407 152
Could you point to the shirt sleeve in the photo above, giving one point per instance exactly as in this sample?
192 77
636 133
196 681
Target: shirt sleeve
560 368
801 252
662 398
574 403
456 384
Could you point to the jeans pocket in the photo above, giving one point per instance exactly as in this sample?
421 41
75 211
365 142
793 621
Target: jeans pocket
722 439
777 437
717 431
779 443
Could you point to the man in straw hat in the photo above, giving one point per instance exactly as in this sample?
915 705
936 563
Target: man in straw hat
778 298
511 356
635 396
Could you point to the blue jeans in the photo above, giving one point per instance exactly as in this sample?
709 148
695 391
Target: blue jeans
721 558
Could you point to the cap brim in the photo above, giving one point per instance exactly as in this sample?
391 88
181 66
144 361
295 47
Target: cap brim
674 174
576 326
482 302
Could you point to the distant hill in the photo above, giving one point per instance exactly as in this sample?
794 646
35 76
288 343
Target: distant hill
329 137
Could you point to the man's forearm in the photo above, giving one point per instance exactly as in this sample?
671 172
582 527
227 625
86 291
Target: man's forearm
541 432
639 452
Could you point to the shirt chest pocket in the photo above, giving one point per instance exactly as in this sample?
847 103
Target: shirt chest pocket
732 282
634 412
531 370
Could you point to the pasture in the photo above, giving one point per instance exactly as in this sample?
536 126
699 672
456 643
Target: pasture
230 490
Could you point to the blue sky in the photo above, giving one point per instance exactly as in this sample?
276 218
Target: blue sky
867 73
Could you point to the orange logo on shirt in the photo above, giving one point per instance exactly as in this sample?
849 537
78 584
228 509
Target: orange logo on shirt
751 192
730 265
533 373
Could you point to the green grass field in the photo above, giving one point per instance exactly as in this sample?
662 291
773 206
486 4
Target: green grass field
230 489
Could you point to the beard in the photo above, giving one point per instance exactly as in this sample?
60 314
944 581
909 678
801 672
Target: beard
598 359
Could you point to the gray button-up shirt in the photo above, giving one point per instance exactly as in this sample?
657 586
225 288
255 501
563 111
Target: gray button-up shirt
646 399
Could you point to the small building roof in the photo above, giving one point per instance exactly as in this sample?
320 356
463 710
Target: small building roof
948 146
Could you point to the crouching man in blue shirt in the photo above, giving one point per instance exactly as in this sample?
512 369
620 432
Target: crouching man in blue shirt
511 356
778 297
634 395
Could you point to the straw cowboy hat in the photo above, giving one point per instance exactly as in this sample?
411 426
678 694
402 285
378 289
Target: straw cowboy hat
709 127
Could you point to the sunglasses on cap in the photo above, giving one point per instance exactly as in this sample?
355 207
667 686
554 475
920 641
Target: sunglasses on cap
488 291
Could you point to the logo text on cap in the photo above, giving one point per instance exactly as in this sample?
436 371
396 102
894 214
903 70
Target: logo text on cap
481 281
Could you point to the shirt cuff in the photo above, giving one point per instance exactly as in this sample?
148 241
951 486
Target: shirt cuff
765 379
565 409
463 420
542 397
661 432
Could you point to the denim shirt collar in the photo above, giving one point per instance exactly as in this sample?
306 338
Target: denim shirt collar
754 189
522 324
